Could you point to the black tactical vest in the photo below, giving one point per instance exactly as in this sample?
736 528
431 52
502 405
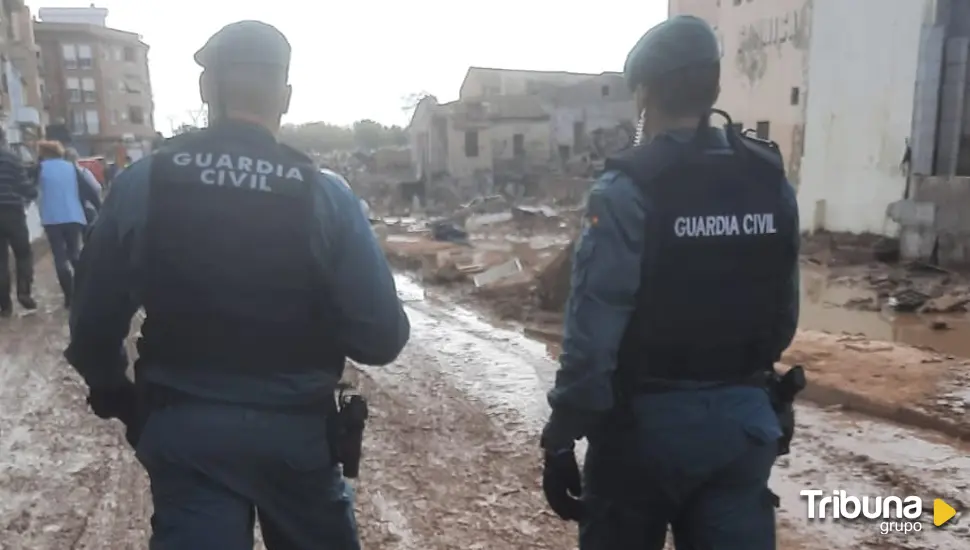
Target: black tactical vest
230 278
708 301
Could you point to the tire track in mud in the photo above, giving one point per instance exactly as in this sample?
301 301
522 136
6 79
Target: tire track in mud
458 475
833 450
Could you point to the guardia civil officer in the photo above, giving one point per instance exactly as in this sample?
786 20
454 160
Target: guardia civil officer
685 292
258 275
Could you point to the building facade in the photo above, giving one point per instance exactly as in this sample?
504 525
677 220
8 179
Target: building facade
511 123
866 98
21 107
97 81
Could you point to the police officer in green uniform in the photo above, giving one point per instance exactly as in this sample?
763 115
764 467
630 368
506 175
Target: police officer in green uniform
259 275
684 294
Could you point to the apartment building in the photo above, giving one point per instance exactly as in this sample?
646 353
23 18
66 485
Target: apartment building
97 82
21 108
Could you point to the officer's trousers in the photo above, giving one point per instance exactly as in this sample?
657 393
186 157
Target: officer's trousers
14 235
215 468
694 462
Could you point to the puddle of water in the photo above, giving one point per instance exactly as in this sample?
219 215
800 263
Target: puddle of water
502 367
821 309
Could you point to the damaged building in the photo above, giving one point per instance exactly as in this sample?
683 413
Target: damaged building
508 125
868 100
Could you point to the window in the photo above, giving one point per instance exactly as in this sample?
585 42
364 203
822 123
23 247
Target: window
74 90
136 115
471 144
15 26
92 121
84 60
763 130
795 92
88 90
605 91
70 56
130 55
131 84
77 122
518 145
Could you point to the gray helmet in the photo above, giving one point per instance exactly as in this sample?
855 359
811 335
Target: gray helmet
680 42
245 42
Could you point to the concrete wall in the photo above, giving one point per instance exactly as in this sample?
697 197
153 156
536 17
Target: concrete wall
935 220
427 138
495 143
862 85
705 9
598 116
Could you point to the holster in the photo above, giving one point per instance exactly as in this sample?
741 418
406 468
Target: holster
782 390
346 430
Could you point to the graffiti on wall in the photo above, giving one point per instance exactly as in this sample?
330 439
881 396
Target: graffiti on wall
757 38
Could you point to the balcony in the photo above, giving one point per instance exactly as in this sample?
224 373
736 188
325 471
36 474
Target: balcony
26 115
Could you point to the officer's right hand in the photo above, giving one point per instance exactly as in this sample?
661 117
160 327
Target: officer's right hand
562 485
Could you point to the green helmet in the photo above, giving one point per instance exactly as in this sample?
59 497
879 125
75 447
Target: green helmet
680 42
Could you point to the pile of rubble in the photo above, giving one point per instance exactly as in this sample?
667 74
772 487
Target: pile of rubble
515 258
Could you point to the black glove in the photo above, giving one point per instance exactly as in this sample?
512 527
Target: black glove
562 485
119 402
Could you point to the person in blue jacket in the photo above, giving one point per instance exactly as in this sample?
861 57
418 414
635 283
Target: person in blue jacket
684 294
63 193
258 276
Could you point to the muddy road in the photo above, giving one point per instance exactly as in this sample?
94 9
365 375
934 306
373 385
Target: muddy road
451 452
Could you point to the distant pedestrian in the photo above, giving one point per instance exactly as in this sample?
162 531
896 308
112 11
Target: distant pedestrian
62 197
17 190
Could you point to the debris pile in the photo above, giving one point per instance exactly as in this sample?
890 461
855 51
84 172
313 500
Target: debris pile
554 281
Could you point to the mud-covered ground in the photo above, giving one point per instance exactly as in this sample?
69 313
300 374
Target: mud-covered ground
451 451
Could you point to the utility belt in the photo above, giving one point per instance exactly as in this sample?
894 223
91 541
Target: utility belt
345 414
781 388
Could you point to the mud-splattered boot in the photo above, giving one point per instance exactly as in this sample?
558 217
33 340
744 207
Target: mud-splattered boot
27 301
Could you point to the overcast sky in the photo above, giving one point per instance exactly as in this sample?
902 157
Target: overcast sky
356 59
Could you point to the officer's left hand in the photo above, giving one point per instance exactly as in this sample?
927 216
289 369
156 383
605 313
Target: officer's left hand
562 484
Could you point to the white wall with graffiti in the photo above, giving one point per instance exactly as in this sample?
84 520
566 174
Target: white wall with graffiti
863 66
